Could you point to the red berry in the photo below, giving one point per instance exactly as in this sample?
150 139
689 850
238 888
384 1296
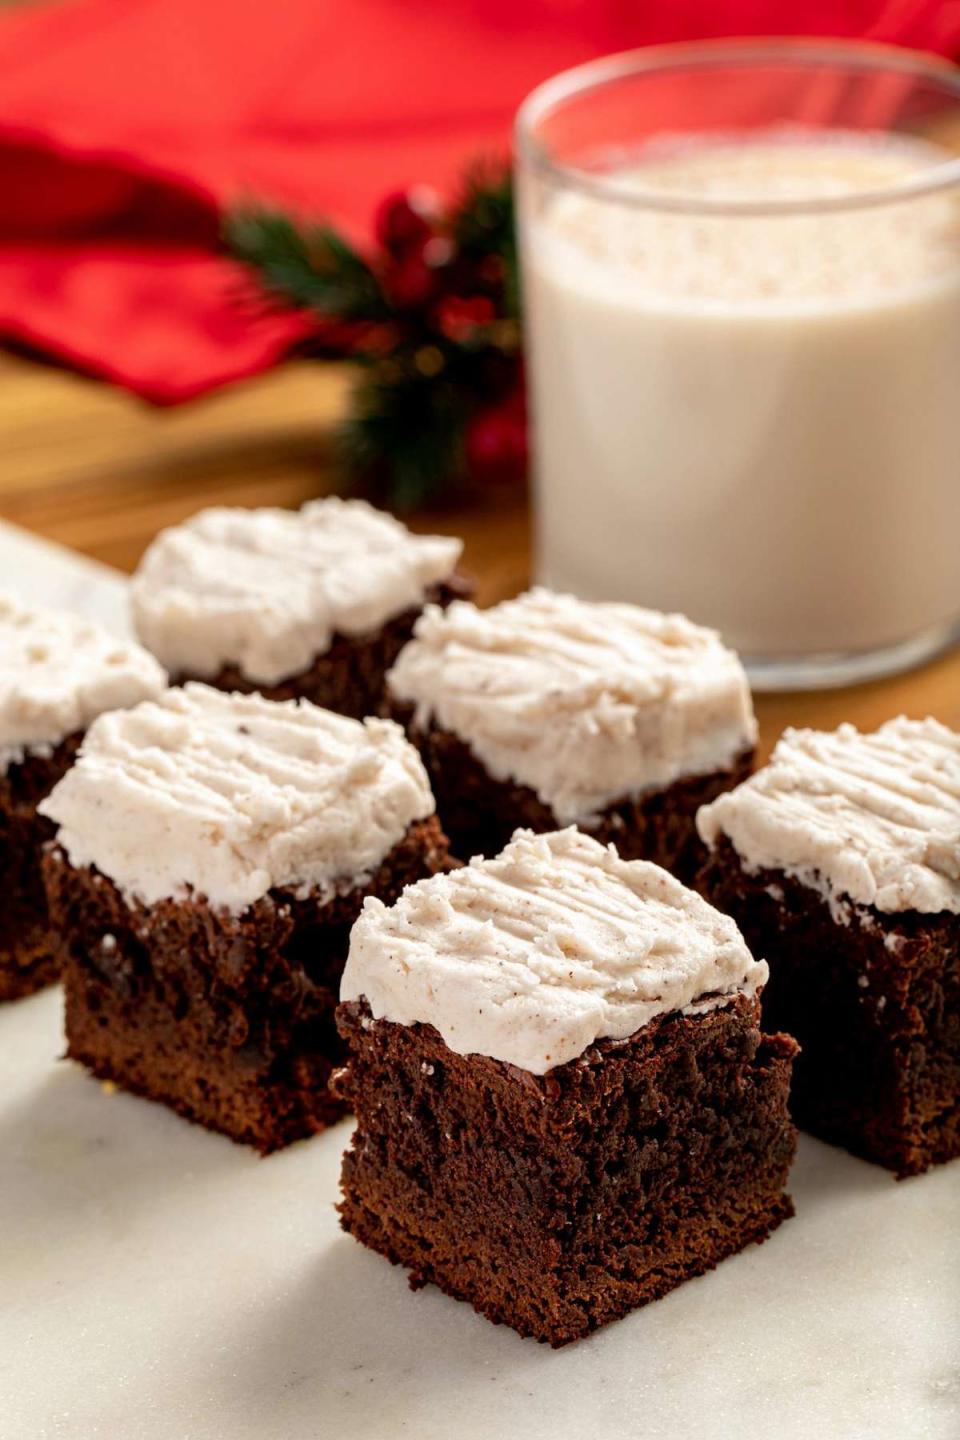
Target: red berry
458 316
406 219
496 444
410 282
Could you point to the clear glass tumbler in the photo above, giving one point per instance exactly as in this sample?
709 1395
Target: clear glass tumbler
741 269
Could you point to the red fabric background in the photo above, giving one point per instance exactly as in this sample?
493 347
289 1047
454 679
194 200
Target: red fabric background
127 125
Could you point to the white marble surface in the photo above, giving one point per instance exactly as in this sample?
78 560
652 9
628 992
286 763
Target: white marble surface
159 1283
49 575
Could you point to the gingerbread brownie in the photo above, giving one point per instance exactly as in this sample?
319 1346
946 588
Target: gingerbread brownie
840 861
565 1106
57 673
548 711
314 604
212 854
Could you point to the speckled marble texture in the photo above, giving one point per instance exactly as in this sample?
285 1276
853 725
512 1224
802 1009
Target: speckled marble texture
159 1283
46 574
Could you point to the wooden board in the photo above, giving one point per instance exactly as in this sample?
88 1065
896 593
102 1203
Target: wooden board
97 470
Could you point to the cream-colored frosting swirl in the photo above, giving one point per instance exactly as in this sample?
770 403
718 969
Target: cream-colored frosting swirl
266 590
230 796
873 819
58 673
584 703
534 955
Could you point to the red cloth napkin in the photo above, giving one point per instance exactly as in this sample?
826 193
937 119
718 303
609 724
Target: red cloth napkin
128 125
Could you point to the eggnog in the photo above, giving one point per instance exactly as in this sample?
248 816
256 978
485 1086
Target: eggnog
752 414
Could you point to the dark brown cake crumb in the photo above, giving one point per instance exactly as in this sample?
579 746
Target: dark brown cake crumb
228 1019
28 960
479 814
557 1203
875 1005
349 676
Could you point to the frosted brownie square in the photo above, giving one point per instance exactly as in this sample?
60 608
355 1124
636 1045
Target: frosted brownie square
212 853
840 861
57 674
312 604
548 711
565 1106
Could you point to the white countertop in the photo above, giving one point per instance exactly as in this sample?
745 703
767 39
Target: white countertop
159 1283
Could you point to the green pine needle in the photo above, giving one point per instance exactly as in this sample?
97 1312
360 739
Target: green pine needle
308 267
405 433
406 437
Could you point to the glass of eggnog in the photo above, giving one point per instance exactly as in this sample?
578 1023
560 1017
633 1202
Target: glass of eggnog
741 276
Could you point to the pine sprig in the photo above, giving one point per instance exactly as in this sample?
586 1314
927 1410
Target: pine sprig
404 438
432 320
308 268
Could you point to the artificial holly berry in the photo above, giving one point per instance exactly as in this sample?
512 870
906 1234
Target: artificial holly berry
495 443
459 317
406 220
410 282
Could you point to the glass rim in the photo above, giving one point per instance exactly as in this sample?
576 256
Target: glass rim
866 55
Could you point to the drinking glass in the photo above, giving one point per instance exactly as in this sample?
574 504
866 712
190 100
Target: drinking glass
741 277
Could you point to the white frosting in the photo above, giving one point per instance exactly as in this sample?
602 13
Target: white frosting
534 955
584 703
230 796
58 673
869 819
267 589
